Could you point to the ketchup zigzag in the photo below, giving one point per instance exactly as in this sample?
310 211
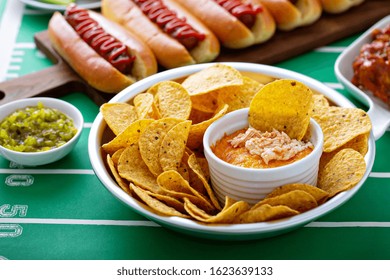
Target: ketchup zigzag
168 21
115 52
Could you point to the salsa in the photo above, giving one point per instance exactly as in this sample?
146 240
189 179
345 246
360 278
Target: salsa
372 66
36 129
251 148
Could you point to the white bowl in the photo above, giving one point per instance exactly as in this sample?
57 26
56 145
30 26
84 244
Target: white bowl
378 111
99 132
41 158
253 184
86 4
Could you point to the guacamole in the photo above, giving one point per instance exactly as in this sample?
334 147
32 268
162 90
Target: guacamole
36 129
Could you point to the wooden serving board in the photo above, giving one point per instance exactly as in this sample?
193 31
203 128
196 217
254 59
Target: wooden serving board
60 79
330 28
55 81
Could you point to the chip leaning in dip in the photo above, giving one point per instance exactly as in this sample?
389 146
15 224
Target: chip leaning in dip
278 113
36 129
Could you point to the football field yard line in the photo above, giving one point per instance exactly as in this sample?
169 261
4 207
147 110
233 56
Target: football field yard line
47 171
78 222
146 223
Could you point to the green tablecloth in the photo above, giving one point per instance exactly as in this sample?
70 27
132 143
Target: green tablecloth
62 211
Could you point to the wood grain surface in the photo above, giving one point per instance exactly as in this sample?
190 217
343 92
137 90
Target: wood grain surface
330 28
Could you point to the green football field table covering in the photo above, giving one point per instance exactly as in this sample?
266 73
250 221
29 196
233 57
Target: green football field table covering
62 211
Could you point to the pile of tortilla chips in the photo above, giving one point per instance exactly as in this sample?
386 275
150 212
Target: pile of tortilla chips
156 154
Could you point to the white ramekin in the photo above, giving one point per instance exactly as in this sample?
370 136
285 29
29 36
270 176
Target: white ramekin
45 157
253 184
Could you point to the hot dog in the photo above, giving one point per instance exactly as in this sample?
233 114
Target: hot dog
339 6
175 36
290 14
105 55
237 23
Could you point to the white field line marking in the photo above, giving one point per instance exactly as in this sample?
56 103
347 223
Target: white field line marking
33 12
25 45
11 76
78 222
14 68
16 60
16 53
152 224
348 224
328 49
9 28
385 175
335 85
379 175
47 171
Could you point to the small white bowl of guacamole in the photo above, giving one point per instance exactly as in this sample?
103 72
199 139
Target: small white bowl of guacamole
38 131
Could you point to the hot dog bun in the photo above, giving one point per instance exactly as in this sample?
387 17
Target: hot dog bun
92 67
339 6
229 29
169 52
289 16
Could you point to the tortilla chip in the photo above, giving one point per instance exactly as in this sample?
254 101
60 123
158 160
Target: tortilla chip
150 141
171 99
342 172
121 182
195 138
319 194
197 116
207 102
116 155
258 77
172 183
359 144
144 106
341 125
155 204
283 105
204 165
202 203
184 171
197 169
194 211
118 116
127 137
228 202
298 200
193 178
169 201
173 145
212 78
132 168
320 102
228 215
239 97
265 213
